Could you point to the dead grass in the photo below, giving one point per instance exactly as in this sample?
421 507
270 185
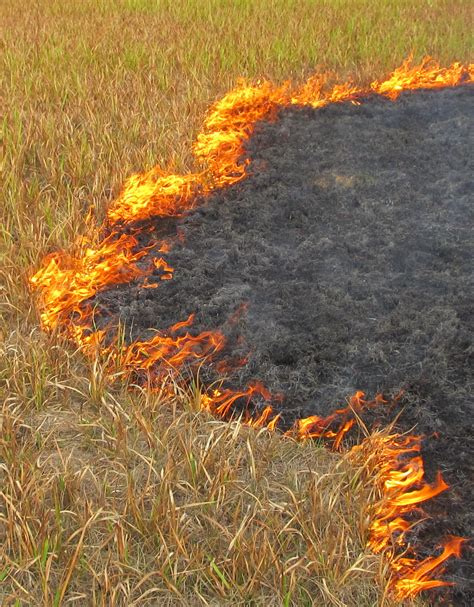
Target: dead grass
123 499
112 495
115 498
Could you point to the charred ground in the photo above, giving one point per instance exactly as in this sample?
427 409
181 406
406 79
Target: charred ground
350 244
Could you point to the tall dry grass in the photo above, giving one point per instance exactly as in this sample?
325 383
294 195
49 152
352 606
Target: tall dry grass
112 498
123 499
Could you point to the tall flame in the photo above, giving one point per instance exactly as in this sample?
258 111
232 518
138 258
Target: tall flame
66 283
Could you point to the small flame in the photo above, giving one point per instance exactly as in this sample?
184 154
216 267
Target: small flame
420 572
427 74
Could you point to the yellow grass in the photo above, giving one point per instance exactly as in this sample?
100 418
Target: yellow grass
132 501
117 498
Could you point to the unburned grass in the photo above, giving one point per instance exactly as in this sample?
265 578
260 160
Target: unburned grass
125 499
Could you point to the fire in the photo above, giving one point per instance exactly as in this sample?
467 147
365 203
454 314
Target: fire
170 351
154 193
420 571
67 282
418 77
401 481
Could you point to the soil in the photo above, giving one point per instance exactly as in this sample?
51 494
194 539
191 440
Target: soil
350 244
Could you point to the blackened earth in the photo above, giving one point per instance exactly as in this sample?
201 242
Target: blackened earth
351 245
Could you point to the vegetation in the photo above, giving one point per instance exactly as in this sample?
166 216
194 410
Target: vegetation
117 497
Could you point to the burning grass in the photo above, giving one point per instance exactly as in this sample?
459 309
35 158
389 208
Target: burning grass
92 92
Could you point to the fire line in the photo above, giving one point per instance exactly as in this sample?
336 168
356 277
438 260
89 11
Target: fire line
112 255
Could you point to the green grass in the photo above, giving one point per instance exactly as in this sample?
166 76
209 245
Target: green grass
91 92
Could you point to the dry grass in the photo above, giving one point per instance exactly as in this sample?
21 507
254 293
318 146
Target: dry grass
108 496
120 499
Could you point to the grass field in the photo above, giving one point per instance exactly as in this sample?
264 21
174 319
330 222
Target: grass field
116 498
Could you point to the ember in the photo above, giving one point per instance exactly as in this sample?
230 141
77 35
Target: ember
322 270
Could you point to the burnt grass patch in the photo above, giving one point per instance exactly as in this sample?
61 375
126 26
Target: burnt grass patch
343 262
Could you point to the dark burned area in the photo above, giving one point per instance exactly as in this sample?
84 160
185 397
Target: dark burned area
350 244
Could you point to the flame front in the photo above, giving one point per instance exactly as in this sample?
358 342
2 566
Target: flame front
400 476
67 282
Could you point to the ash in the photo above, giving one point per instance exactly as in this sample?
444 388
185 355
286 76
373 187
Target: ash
351 245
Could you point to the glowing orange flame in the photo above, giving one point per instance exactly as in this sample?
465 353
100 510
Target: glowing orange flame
426 75
403 488
420 572
66 282
171 352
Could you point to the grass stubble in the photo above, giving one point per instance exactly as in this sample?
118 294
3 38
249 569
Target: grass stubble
112 496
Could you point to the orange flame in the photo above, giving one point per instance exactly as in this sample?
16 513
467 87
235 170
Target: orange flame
426 75
66 282
403 487
419 579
